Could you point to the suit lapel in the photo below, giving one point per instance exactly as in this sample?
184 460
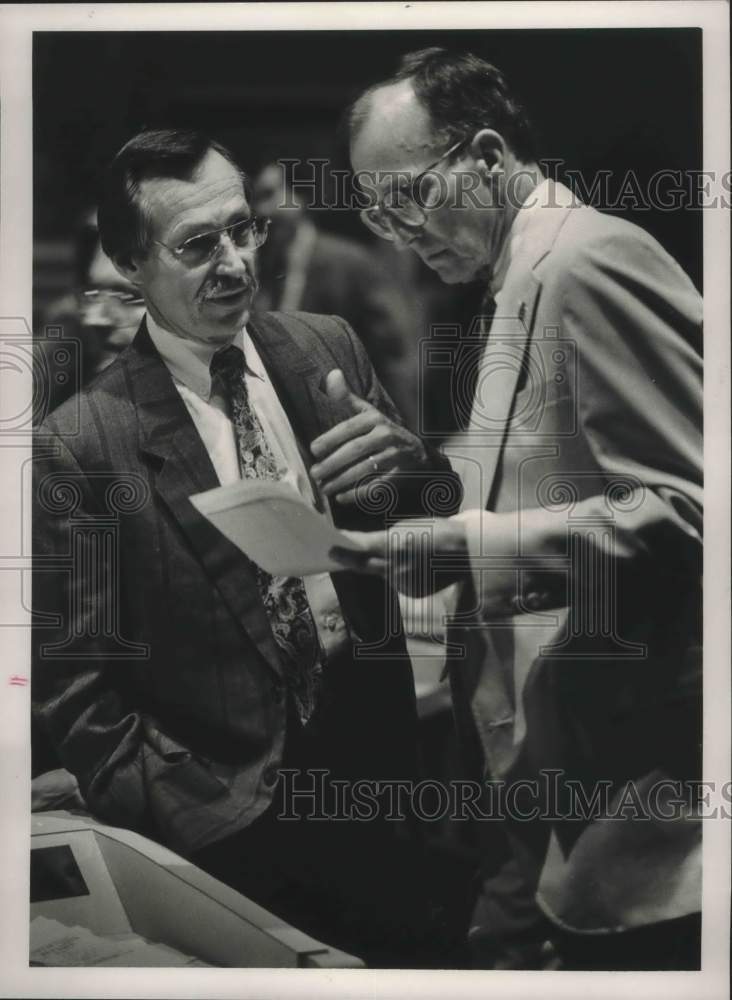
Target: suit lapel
297 377
168 434
501 370
506 363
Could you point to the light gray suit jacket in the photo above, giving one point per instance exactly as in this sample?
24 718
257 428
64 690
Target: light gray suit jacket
576 649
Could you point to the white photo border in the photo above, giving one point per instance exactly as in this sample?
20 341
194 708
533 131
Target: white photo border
17 24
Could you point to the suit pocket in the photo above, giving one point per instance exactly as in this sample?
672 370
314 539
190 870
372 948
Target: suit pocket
188 774
189 779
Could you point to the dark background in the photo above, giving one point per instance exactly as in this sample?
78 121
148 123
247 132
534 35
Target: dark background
605 99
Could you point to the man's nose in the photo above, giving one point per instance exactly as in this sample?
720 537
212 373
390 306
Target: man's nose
233 260
404 236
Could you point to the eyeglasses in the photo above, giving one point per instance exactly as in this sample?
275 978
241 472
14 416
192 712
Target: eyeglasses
248 234
404 208
109 307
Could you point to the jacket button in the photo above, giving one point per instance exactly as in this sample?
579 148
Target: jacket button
270 775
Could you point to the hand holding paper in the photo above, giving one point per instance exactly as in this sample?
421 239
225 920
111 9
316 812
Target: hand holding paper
408 554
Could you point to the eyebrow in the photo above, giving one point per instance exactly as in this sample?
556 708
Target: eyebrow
382 182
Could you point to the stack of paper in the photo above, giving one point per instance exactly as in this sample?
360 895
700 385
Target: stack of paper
55 944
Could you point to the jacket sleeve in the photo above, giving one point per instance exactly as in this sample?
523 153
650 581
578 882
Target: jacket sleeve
636 320
129 771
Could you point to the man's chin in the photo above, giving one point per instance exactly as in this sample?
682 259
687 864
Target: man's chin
452 278
228 310
222 329
235 320
451 269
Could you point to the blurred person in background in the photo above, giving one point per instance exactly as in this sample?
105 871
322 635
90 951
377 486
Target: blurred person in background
301 267
85 329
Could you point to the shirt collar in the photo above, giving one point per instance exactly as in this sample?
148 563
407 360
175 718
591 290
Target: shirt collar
189 361
516 236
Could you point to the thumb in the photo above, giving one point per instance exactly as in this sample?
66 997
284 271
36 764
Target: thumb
339 391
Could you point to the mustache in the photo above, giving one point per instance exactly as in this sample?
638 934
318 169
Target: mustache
224 285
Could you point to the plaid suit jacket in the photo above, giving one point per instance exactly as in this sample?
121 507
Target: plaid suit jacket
155 673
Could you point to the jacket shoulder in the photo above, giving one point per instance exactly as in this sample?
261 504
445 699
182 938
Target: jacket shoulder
329 341
313 331
586 229
592 241
298 319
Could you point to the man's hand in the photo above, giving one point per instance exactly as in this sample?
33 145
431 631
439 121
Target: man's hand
417 557
365 444
57 789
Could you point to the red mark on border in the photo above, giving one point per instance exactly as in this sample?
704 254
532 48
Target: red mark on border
17 680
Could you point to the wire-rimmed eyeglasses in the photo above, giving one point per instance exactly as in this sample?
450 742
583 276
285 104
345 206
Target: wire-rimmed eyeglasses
246 234
404 208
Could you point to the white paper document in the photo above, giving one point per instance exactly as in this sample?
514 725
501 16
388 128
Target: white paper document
53 943
271 524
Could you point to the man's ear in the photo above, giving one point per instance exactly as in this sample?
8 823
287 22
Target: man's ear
128 267
489 152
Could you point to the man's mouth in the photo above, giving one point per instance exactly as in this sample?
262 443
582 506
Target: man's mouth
230 296
429 260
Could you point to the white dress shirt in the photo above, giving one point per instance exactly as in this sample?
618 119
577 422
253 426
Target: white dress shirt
188 361
476 520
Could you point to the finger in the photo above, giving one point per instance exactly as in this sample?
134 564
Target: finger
358 562
351 562
353 481
349 454
355 561
375 543
346 498
355 494
339 391
346 430
377 567
375 463
370 558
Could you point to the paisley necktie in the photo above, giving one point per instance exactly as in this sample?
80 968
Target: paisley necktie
284 598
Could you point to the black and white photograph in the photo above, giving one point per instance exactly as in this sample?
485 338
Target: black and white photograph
364 390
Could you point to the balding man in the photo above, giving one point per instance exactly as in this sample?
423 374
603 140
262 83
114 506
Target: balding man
579 685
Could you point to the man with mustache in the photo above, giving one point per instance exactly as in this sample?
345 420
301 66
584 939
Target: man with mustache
177 678
576 668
